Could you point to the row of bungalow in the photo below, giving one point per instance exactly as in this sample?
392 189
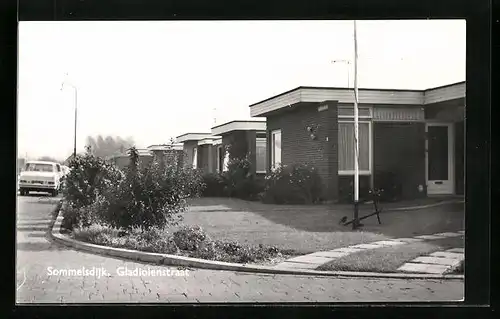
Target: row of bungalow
415 136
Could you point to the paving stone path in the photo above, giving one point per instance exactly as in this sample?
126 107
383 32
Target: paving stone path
438 262
314 260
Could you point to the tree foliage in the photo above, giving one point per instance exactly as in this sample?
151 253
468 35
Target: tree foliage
107 146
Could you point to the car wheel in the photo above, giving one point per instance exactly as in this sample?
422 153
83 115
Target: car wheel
54 193
23 192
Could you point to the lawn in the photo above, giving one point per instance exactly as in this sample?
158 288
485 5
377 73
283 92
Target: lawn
312 228
389 259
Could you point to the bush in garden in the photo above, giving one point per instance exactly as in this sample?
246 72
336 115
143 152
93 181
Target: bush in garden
152 196
190 237
296 184
241 182
75 216
87 177
214 185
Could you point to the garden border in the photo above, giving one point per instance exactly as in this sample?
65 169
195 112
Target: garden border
174 260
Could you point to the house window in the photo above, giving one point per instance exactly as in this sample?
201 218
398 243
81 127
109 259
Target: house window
275 148
346 148
220 158
260 155
195 157
225 163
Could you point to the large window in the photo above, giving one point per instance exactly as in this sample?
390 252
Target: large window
195 157
275 148
346 148
260 154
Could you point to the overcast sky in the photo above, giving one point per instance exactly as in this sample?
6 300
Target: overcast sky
155 80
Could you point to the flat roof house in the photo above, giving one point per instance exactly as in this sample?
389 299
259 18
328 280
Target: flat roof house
199 150
242 138
417 135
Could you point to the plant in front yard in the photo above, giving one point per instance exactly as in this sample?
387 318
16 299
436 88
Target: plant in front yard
296 184
190 237
241 182
87 177
214 185
188 241
150 197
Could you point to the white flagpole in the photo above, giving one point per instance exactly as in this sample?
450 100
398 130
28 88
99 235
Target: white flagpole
356 133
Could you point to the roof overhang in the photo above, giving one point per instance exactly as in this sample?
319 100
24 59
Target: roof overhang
247 125
192 137
209 141
444 93
366 96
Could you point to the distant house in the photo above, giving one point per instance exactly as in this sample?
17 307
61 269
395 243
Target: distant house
415 135
199 150
167 152
241 138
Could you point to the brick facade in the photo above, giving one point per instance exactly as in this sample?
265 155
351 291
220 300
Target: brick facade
242 143
299 148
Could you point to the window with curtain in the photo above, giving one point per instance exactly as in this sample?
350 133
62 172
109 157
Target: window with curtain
195 157
346 147
260 155
275 148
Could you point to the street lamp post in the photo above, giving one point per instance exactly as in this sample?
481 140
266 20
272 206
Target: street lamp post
76 111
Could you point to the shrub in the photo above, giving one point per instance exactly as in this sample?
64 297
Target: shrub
214 185
241 183
297 184
152 196
88 176
75 216
190 238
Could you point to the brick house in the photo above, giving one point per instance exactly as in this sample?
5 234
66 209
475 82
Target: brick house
417 135
199 150
240 138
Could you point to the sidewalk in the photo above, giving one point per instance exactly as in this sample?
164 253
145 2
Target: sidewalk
387 256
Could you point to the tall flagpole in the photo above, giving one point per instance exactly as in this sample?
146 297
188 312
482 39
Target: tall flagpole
355 223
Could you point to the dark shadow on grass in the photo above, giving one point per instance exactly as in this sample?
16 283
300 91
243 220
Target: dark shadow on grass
325 218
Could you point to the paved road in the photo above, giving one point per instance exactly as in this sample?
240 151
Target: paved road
39 260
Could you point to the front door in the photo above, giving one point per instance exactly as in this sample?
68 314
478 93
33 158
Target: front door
440 159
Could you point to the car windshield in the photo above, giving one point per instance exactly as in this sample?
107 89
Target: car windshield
37 167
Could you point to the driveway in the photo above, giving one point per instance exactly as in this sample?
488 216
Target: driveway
48 273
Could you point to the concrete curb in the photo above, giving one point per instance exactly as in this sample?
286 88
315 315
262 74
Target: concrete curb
173 260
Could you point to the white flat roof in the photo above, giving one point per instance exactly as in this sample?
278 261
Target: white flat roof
366 96
209 141
240 125
192 137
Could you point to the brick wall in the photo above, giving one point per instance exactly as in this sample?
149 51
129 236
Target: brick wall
400 148
299 148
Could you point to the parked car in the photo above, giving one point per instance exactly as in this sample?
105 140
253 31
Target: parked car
40 176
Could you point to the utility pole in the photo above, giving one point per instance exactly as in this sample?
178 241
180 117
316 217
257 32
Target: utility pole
355 224
76 111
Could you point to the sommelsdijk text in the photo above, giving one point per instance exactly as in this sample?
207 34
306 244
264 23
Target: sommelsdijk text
82 271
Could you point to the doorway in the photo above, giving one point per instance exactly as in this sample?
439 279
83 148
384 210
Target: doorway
440 159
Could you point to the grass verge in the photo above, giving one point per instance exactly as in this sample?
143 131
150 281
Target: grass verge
389 259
